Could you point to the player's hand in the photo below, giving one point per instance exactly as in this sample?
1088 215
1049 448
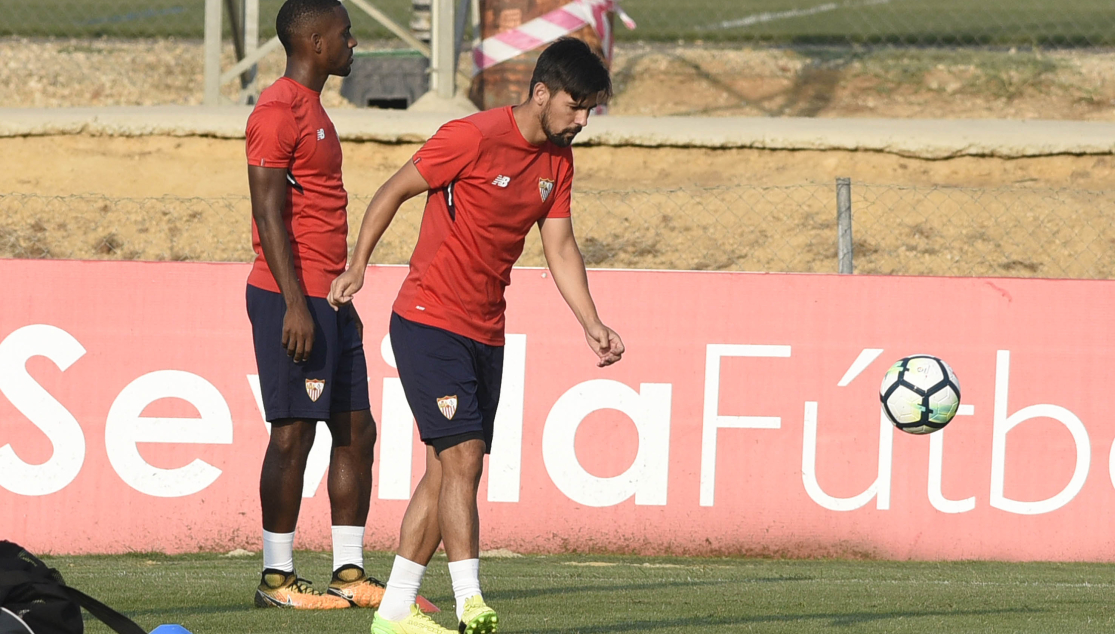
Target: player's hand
298 332
342 290
605 343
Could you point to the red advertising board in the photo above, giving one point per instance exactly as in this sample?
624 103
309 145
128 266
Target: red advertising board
743 419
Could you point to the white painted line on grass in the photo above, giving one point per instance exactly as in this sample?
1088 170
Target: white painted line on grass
951 582
773 16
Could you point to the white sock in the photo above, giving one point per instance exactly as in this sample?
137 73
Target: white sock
402 589
278 551
466 581
348 546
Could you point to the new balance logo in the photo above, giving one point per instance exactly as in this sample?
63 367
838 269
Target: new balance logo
502 181
321 134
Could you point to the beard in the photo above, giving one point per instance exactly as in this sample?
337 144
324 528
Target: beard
560 138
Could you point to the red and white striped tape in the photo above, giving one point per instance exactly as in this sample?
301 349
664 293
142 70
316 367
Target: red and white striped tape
547 28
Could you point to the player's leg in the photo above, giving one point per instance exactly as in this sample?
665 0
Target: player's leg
290 406
424 381
474 615
351 424
461 466
419 537
353 434
281 479
449 386
280 494
350 467
420 533
350 489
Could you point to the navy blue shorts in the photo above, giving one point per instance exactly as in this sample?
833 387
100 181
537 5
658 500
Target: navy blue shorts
451 382
335 377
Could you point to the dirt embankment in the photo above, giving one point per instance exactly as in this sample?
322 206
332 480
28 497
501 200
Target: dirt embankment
88 197
164 198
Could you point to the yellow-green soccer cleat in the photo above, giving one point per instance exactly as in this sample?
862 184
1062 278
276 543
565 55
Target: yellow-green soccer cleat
286 590
416 623
351 584
478 618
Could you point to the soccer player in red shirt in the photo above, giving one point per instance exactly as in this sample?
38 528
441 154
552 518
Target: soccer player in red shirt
310 357
490 177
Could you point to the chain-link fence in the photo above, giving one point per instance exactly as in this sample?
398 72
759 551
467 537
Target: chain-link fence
905 22
889 58
153 18
902 22
1019 231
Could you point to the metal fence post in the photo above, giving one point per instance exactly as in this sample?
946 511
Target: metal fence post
249 81
213 11
844 224
459 31
443 58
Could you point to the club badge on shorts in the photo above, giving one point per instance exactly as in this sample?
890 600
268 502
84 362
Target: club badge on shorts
314 387
545 186
448 406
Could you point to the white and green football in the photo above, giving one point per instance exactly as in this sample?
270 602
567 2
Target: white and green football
920 394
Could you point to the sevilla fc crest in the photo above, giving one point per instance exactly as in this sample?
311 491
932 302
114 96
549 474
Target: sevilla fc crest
314 387
545 186
448 406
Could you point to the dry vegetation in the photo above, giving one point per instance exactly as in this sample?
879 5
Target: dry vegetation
184 199
161 198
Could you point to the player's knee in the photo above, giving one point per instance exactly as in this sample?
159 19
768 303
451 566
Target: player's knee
364 441
464 460
293 440
355 430
369 438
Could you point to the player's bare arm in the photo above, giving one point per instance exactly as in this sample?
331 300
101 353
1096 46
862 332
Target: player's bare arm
268 190
401 187
563 256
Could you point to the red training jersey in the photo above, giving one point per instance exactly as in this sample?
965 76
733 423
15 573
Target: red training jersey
488 187
289 129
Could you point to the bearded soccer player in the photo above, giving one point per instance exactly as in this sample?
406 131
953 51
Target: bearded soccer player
490 177
310 356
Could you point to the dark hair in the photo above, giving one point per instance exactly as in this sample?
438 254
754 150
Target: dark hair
570 65
295 15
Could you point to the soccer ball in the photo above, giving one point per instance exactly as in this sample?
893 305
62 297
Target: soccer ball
920 394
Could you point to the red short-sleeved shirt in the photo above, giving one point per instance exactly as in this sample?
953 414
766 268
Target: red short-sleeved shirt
488 187
289 129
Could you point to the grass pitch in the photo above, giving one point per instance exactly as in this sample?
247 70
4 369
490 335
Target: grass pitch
920 22
589 594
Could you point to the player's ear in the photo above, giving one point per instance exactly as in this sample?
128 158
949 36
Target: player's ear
316 42
540 95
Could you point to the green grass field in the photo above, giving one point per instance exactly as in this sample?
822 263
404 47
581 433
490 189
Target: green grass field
919 22
586 594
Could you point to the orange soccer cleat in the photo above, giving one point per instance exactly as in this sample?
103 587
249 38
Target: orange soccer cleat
361 591
279 589
358 589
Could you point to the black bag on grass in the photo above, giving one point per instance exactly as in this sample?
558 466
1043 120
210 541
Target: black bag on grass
35 600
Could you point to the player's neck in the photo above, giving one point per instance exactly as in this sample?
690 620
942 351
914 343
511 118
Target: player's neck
305 74
528 118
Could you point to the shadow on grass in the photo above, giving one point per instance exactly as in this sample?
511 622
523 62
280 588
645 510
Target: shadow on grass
193 610
512 595
850 619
